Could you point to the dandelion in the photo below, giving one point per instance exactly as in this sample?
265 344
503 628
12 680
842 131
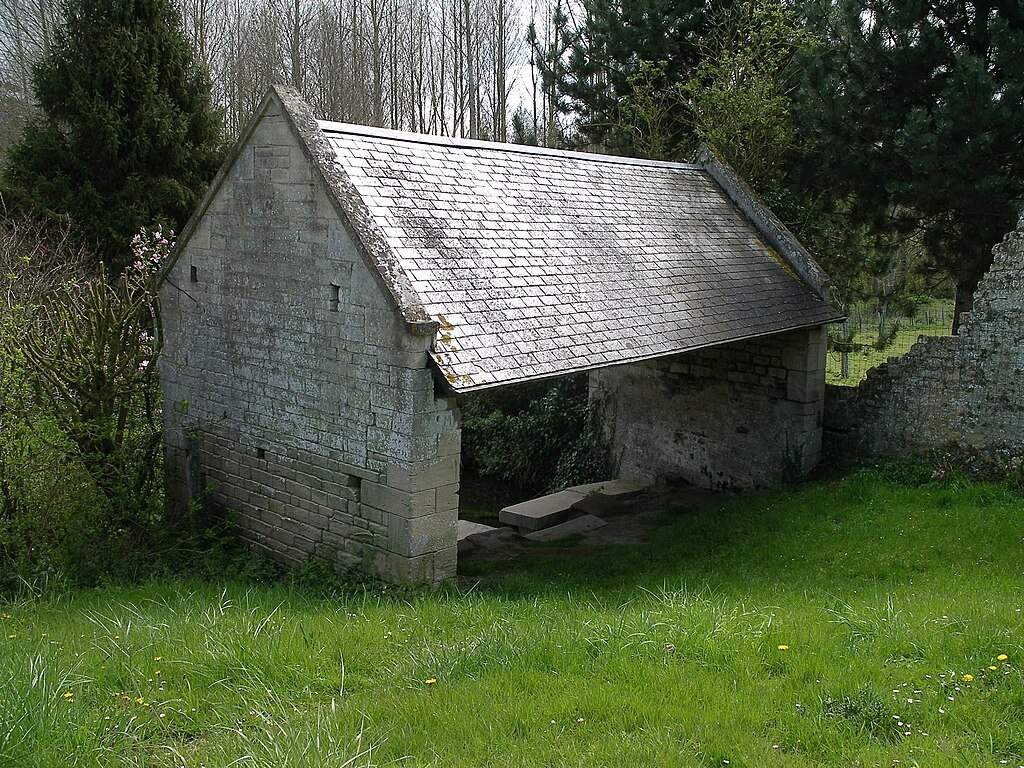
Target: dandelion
783 647
968 677
993 668
1002 657
431 681
158 658
10 637
68 696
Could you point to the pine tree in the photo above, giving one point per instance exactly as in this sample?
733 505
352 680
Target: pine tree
914 124
127 136
621 52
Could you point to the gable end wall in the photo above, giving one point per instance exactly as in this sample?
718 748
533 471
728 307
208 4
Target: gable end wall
316 425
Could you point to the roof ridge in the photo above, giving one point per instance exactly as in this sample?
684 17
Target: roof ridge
353 129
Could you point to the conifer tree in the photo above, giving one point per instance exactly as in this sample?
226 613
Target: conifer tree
127 136
618 49
913 124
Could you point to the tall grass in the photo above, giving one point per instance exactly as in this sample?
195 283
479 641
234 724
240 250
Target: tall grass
857 622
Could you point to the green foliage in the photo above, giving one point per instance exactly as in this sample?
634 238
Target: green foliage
867 712
126 136
738 95
539 437
911 121
603 61
80 449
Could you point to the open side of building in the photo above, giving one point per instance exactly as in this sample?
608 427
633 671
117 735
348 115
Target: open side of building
341 286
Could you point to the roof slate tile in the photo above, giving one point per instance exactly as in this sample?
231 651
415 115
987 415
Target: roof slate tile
543 263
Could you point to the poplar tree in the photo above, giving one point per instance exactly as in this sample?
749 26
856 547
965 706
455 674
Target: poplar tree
126 135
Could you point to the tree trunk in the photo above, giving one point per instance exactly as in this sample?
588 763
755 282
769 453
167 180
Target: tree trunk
963 302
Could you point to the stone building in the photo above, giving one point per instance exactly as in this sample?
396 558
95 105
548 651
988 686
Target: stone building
341 286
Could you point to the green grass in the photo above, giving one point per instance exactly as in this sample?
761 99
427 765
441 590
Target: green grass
885 596
934 319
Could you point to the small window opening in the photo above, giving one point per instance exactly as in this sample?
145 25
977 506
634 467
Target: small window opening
335 297
261 453
193 274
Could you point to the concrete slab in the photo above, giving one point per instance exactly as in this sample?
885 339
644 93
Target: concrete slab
535 514
568 528
469 528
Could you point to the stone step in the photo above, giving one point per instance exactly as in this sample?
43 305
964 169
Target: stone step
618 489
580 524
535 514
605 498
469 528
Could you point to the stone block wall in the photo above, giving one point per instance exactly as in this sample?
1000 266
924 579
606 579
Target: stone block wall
739 416
965 390
294 394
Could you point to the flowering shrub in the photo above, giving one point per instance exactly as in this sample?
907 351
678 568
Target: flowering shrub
80 356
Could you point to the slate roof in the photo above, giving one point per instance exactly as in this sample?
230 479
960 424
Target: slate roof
536 263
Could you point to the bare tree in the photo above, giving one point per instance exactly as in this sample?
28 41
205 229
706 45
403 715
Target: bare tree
26 28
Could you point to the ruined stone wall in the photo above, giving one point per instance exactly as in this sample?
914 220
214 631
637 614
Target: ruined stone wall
738 416
295 396
965 390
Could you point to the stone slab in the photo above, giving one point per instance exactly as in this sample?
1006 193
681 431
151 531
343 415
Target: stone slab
568 528
469 528
544 512
494 540
620 489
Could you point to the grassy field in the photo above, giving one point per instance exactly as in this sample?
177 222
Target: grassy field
860 622
932 319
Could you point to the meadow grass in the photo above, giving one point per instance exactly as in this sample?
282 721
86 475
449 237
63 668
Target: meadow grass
866 621
867 356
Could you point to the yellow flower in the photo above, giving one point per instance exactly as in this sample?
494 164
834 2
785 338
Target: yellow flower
1002 657
993 668
783 647
431 681
158 658
968 677
68 696
10 637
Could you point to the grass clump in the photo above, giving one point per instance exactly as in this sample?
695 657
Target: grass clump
857 622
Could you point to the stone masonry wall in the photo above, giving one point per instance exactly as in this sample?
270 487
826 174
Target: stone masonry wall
965 390
295 396
738 416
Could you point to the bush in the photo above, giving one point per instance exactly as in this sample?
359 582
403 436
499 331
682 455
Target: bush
539 436
80 447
